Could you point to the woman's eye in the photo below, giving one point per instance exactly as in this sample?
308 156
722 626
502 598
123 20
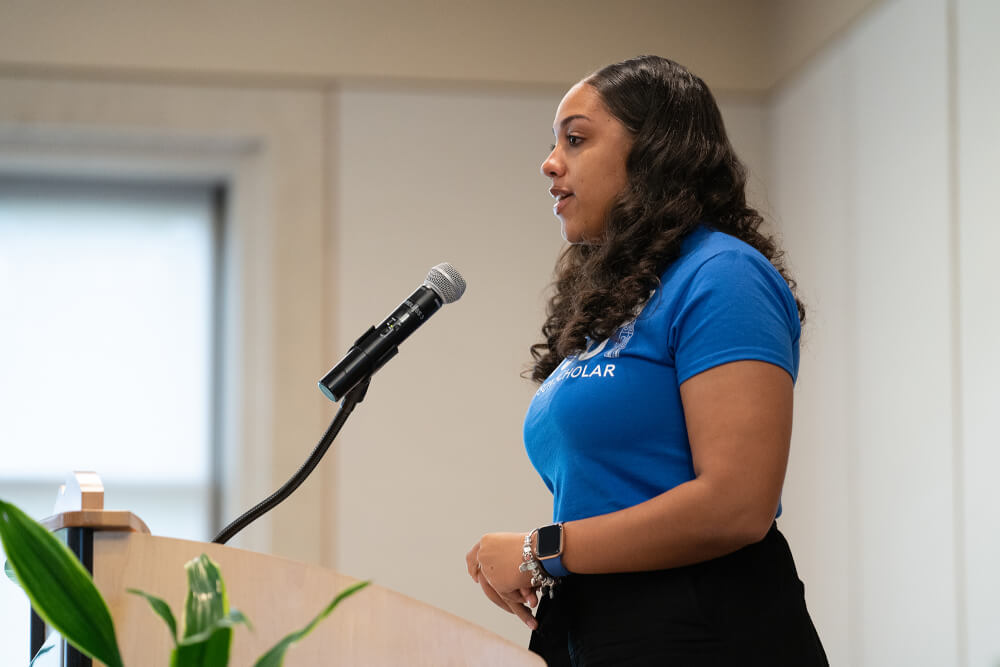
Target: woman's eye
571 139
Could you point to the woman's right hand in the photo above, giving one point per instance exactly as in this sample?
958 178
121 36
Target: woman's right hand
515 607
519 610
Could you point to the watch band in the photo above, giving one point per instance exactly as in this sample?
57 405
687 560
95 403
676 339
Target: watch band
554 567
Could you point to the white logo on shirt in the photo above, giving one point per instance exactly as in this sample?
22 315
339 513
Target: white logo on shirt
593 351
622 336
567 370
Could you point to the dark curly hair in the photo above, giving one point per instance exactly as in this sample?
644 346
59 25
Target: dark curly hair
682 172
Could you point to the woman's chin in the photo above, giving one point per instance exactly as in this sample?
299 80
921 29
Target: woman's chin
571 234
576 237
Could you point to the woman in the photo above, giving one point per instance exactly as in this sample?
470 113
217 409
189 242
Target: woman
663 420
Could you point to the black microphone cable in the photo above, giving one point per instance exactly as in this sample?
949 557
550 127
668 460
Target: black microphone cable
353 397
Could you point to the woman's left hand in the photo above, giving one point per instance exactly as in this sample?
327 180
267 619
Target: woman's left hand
497 556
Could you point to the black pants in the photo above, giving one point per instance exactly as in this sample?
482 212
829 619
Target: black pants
746 608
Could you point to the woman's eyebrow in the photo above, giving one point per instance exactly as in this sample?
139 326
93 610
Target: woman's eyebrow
569 119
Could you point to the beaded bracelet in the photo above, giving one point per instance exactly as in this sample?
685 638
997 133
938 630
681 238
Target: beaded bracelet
539 578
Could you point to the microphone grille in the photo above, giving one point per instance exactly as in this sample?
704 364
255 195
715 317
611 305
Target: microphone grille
446 281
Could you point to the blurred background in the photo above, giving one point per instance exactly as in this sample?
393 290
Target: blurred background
203 204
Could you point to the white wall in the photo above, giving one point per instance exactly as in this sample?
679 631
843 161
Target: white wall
808 153
889 505
977 96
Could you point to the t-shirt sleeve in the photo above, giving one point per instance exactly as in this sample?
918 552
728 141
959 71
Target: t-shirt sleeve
737 307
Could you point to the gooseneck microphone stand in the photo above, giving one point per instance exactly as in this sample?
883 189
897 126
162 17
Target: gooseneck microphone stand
444 284
351 399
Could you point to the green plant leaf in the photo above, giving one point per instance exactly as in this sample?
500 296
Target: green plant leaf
211 652
206 600
205 607
161 608
276 656
60 589
232 619
8 569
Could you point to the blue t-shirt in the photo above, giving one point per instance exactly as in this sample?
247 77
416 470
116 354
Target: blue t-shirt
606 429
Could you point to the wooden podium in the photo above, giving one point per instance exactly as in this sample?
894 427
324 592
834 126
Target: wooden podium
373 627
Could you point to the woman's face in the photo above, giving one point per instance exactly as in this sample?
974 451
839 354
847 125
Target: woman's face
587 163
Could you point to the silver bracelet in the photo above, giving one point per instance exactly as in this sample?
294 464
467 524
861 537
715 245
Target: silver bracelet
539 578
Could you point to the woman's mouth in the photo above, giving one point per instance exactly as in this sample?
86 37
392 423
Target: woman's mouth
561 203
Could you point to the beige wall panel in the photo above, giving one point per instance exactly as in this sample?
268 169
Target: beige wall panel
746 125
433 458
799 30
517 41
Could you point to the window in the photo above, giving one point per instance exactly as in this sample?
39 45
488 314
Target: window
108 296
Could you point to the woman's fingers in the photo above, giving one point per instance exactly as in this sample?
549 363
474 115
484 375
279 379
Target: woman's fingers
525 615
512 597
493 595
526 596
515 608
472 562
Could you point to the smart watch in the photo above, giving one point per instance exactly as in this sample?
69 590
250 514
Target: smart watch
549 549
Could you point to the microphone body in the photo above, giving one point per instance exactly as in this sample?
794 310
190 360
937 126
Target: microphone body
380 344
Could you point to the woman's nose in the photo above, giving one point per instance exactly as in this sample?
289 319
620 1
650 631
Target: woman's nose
552 166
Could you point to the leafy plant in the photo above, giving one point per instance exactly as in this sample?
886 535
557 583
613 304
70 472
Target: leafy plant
64 596
60 589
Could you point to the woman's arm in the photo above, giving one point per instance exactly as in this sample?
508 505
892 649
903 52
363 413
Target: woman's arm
739 423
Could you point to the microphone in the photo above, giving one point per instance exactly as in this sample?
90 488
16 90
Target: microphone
370 352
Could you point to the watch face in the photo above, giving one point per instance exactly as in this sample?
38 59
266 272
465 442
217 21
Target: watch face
549 541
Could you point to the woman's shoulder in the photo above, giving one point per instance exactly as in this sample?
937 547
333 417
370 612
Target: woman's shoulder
721 301
719 268
707 250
